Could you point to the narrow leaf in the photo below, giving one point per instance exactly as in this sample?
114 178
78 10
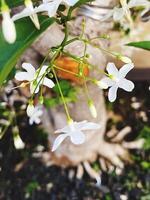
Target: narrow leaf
142 45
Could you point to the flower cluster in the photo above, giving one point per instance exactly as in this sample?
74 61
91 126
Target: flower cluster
74 130
36 78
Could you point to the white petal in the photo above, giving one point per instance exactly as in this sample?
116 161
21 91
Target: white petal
125 69
118 14
29 68
34 88
65 129
126 85
35 20
35 120
49 83
70 2
22 76
58 141
112 70
90 126
77 137
108 15
79 125
50 7
35 115
25 13
107 82
42 71
112 94
135 3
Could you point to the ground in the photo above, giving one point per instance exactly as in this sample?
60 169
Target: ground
24 176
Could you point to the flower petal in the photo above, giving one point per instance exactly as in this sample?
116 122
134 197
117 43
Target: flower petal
70 2
77 137
84 125
135 3
108 15
65 129
126 85
90 126
125 69
112 94
50 7
112 69
42 70
30 69
22 76
58 141
25 13
49 83
118 14
107 82
34 88
35 20
79 125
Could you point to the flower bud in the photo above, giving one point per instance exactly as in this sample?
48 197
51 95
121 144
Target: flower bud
125 59
19 144
8 26
92 108
30 109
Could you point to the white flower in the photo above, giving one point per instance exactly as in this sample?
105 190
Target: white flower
8 26
117 80
31 76
34 114
47 6
52 6
74 131
119 13
29 11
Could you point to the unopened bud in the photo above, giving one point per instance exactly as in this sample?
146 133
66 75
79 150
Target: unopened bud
8 26
124 59
92 108
19 144
30 109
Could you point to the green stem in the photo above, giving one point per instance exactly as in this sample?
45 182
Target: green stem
61 93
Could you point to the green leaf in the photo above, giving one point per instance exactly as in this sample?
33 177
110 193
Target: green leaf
142 45
80 3
26 35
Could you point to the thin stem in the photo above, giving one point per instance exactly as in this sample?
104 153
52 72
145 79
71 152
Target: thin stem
61 93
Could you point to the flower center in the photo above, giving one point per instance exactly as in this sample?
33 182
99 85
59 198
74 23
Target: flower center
114 78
